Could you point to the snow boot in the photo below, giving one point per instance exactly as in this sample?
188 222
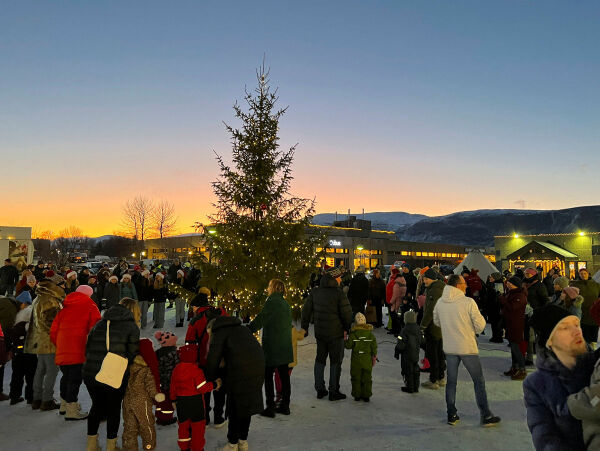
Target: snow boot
14 401
49 405
510 372
35 405
322 393
430 385
63 407
111 445
230 447
74 412
519 375
92 443
243 445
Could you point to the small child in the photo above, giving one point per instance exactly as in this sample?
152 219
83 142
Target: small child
167 361
409 345
364 354
188 386
143 389
296 337
583 406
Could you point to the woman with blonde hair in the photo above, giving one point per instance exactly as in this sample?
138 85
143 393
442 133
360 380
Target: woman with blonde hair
134 307
276 321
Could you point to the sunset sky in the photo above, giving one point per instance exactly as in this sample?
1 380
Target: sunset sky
425 107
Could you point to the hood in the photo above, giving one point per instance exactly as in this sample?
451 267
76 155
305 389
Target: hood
139 360
328 282
118 313
451 294
188 353
47 288
225 321
76 298
362 327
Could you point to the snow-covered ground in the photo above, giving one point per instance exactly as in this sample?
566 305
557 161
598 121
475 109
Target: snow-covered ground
392 420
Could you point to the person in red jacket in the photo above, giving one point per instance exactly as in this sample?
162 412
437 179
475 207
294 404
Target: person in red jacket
188 386
69 333
197 334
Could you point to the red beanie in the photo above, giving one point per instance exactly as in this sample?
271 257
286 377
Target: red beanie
149 356
188 353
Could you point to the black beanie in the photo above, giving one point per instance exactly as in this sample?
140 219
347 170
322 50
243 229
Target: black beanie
516 281
545 319
431 274
200 300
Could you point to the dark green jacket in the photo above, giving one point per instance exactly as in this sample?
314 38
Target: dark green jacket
275 319
590 290
432 294
363 344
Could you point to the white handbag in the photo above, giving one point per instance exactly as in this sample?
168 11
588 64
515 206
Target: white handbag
113 366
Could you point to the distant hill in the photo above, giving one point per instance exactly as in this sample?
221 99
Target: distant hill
478 227
379 220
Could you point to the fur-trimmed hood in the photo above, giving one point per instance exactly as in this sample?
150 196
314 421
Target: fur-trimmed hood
362 327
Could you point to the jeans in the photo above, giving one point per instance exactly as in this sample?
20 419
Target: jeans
70 381
144 305
45 376
159 315
106 405
473 366
238 428
518 361
179 311
23 366
7 289
335 349
286 389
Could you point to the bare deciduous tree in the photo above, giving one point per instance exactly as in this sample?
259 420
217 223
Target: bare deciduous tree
136 217
164 219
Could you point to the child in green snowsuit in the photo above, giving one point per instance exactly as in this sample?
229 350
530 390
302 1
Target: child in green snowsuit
364 353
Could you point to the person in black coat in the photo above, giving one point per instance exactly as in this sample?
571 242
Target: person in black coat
330 310
9 276
358 292
124 339
411 282
244 372
377 295
493 289
409 345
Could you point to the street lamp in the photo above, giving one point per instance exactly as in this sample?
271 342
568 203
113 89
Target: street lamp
144 254
133 255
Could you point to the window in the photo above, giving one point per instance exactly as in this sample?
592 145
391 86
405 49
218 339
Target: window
405 253
418 254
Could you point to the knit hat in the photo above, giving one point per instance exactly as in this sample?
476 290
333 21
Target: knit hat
431 274
180 273
85 289
544 321
31 278
562 282
410 317
516 281
56 279
24 298
334 272
126 275
166 338
188 353
572 292
394 270
137 267
149 356
584 269
113 277
160 274
496 276
405 265
360 319
71 274
145 272
204 290
531 272
200 300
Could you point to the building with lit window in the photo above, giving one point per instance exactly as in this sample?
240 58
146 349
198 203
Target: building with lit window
567 251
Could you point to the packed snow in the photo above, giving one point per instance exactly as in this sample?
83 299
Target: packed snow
392 420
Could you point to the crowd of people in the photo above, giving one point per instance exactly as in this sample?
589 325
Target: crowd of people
88 327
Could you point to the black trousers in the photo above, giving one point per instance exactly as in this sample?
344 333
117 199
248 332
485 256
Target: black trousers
106 404
412 375
70 382
238 428
434 351
379 311
23 367
286 388
219 403
334 348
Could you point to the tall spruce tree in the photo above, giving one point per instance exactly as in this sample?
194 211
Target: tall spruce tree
259 230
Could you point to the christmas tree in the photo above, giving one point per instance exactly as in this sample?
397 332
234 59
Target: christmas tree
259 230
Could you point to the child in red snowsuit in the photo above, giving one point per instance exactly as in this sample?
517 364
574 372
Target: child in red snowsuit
188 386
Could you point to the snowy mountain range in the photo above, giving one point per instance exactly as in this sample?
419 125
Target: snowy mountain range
478 227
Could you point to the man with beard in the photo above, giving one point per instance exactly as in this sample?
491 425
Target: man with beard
565 364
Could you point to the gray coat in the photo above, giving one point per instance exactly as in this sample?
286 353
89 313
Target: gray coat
582 406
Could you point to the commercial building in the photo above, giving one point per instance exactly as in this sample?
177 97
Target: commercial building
567 251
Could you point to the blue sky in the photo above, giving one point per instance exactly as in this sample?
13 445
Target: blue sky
426 107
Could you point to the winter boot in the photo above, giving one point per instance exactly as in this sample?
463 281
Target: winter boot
14 401
111 445
231 447
4 397
49 405
519 375
74 412
36 404
63 407
92 443
243 445
510 372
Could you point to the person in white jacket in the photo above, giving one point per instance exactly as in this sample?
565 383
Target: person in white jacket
460 320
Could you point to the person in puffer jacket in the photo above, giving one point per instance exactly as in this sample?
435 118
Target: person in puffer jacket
188 386
409 345
398 294
364 354
167 361
143 389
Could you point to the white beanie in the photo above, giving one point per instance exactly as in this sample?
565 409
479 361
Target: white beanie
113 277
180 273
126 275
145 272
160 274
71 273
